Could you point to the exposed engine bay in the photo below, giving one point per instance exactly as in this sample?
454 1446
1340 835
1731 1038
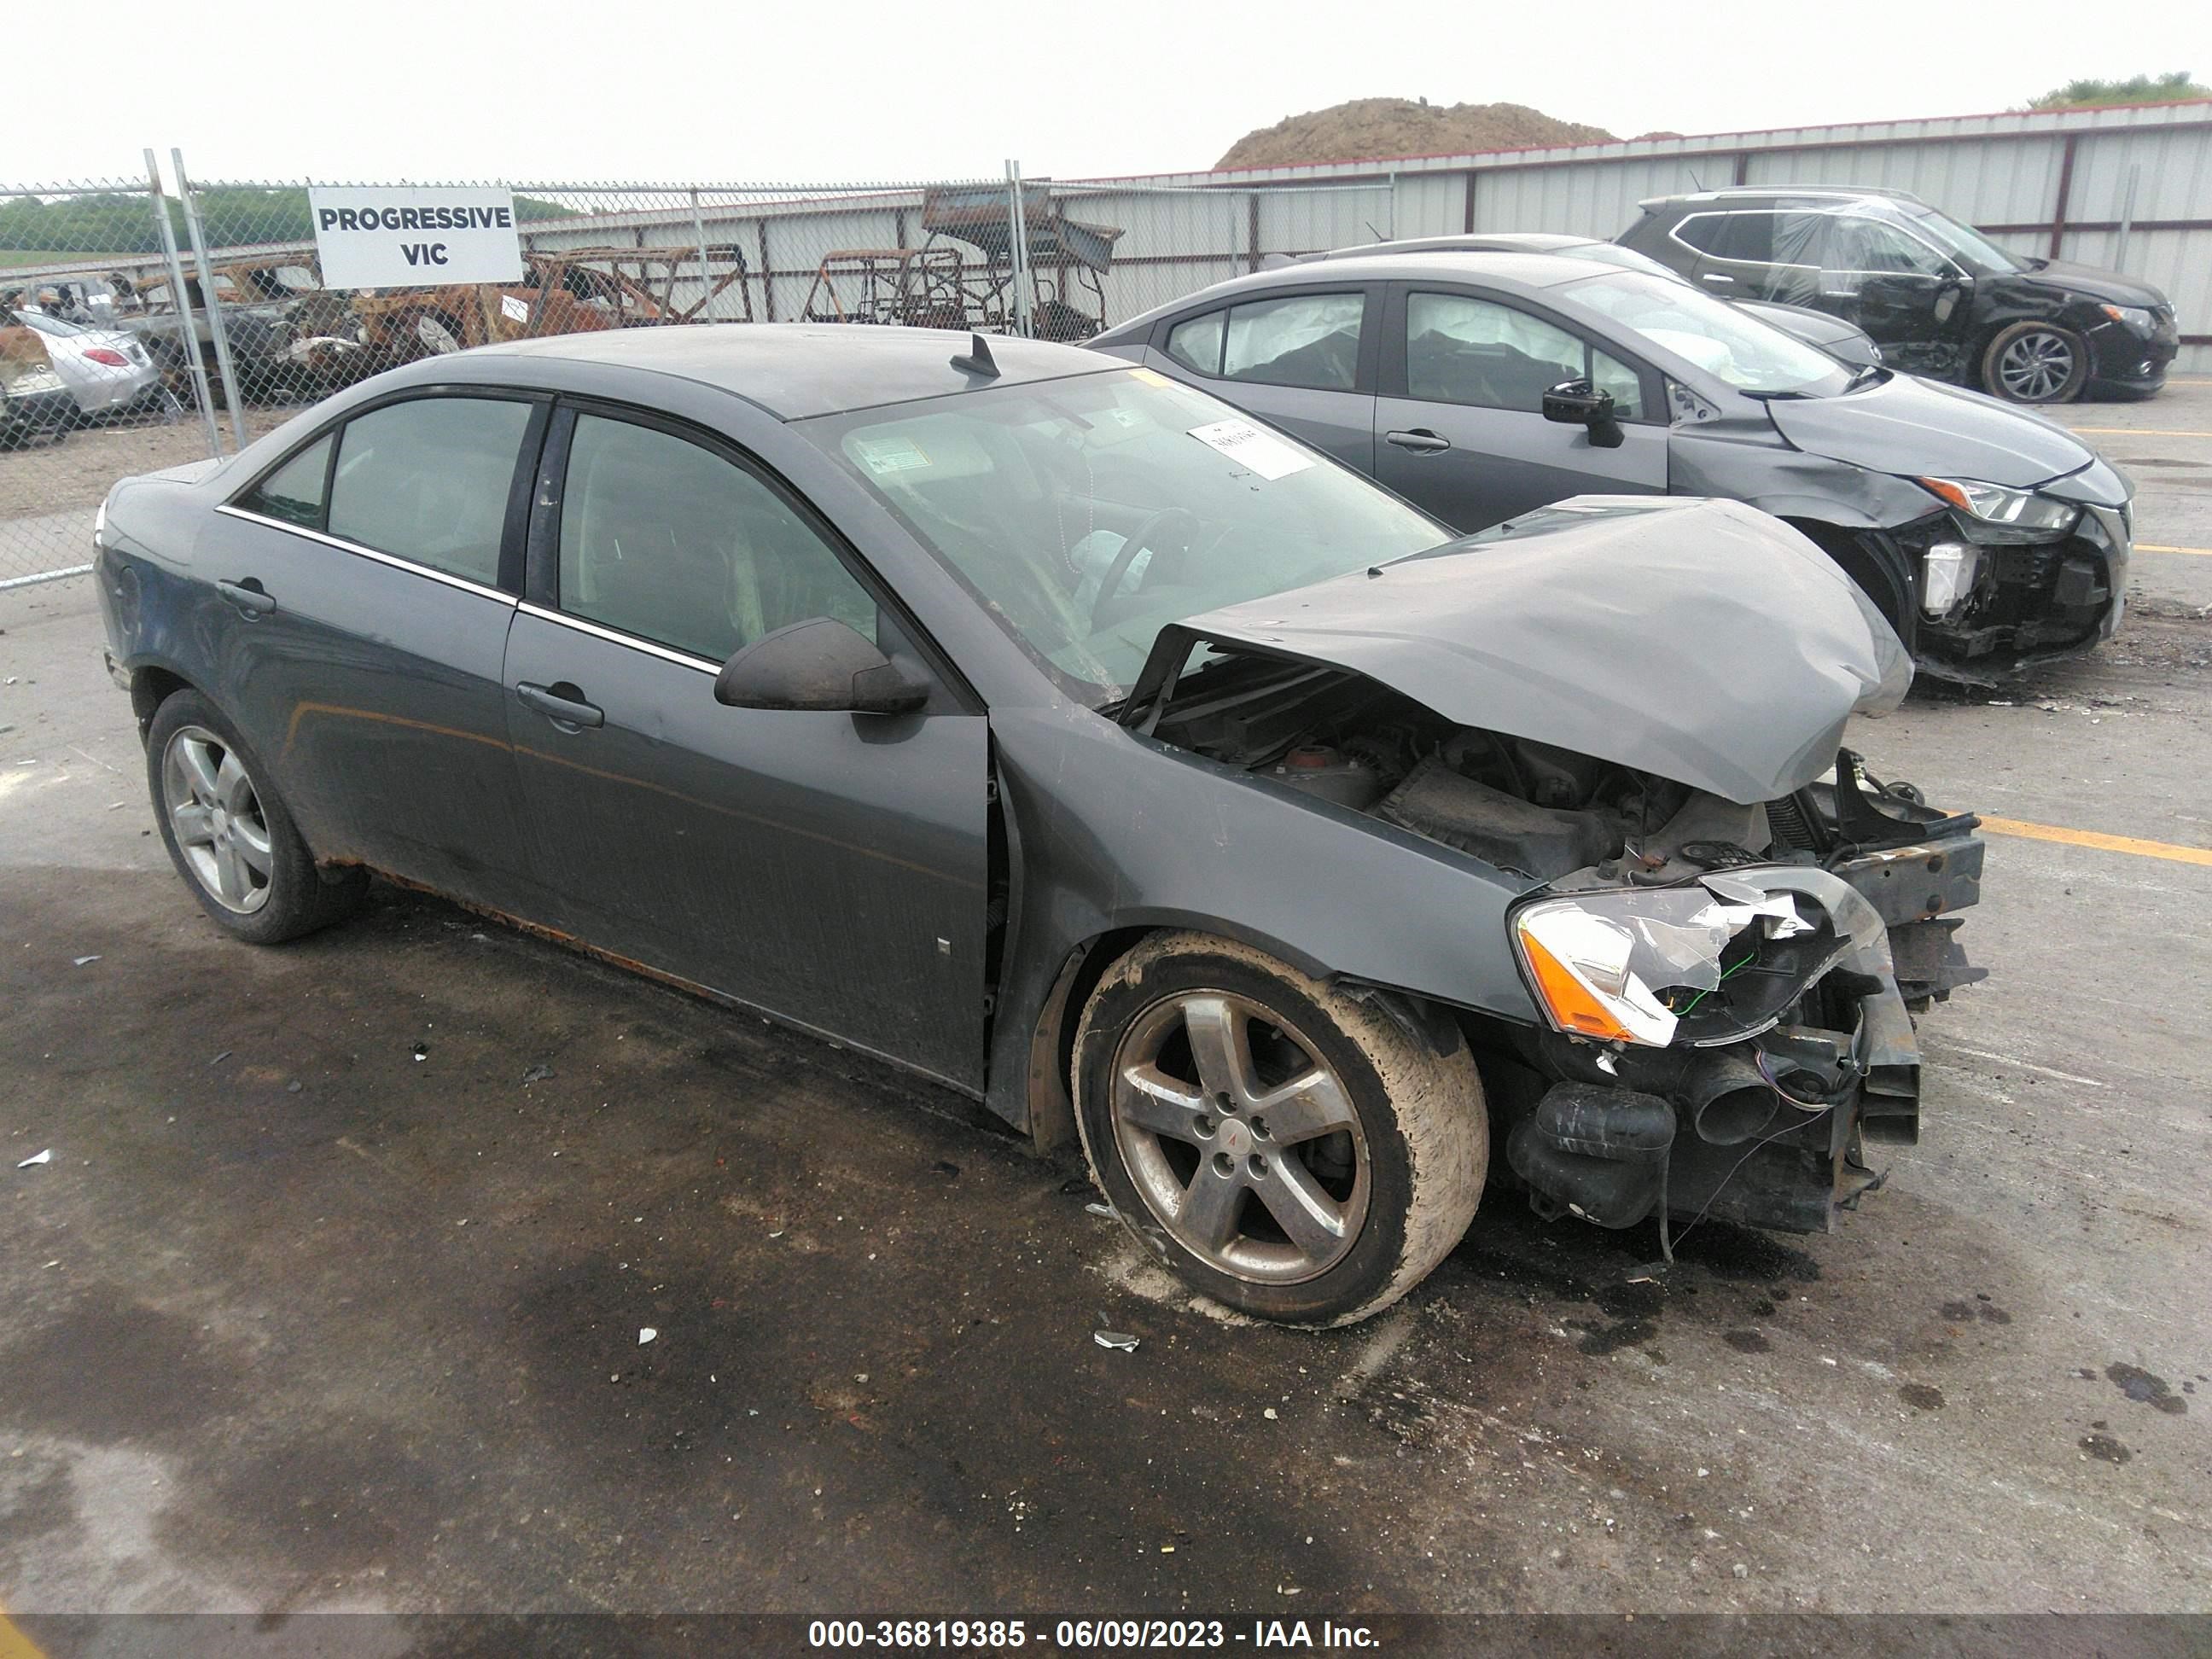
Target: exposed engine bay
1728 985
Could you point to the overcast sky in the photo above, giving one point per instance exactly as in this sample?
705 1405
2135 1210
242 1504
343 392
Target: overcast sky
380 90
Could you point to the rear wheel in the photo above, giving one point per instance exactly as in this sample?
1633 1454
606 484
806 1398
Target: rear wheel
1287 1150
229 833
2035 362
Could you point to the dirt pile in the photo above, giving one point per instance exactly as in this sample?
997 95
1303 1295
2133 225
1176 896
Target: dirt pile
1370 127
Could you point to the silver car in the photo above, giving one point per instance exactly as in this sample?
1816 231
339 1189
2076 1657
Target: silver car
1482 385
1848 344
107 372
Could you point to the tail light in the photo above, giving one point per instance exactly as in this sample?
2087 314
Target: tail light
103 354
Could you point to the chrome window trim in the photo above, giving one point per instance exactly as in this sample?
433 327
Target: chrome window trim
666 653
392 559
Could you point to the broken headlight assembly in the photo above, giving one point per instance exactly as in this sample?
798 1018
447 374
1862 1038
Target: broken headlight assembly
2007 509
1713 962
1950 569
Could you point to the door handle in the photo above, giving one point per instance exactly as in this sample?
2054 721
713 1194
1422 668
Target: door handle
571 711
248 596
1420 440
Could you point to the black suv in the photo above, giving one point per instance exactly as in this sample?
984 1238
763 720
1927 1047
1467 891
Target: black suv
1939 297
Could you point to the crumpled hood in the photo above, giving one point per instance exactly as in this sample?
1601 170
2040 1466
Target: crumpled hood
1916 428
1702 640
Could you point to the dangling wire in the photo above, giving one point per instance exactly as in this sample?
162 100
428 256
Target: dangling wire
1759 1059
1666 1245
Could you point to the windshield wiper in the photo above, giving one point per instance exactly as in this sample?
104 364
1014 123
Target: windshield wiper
1864 375
1776 397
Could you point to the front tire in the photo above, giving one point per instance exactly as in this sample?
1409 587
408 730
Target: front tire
229 832
1288 1151
2033 362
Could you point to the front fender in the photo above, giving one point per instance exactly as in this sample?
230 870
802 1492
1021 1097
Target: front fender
1111 834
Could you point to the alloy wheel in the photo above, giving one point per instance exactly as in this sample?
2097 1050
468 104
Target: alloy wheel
2036 367
215 812
1239 1138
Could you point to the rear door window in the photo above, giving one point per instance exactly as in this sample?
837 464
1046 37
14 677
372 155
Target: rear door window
1749 237
1309 340
428 480
1303 340
1699 231
665 539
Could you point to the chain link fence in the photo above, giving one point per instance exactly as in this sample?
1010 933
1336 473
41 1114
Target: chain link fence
88 394
146 326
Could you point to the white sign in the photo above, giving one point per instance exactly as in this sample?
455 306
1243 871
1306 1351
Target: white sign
408 237
1249 447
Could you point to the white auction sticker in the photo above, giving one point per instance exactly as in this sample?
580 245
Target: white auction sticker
414 237
1249 447
514 307
885 455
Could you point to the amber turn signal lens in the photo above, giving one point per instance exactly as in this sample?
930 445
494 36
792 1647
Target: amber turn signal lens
1566 999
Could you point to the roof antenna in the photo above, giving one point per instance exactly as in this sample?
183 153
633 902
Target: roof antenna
976 359
1694 185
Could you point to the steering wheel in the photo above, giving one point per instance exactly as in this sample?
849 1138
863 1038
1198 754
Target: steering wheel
1140 540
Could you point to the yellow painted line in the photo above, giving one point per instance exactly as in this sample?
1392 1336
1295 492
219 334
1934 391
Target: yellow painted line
2137 432
14 1644
2146 849
2155 547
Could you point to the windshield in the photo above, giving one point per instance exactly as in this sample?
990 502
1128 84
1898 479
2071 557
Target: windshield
1087 514
1962 240
1729 344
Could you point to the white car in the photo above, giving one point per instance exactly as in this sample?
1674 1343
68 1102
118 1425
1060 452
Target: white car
107 372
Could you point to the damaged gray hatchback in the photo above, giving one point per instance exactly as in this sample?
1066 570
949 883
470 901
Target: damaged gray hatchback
1042 727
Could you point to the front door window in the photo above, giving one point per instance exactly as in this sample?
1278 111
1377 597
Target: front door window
664 538
1460 350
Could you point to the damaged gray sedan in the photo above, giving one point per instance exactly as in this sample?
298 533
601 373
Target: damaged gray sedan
1481 385
1042 727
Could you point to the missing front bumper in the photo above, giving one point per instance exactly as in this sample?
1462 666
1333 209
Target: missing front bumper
2030 601
1767 1131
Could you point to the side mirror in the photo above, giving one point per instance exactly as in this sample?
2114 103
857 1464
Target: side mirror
821 664
1577 403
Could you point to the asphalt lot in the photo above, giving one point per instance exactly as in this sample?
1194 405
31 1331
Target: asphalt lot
296 1319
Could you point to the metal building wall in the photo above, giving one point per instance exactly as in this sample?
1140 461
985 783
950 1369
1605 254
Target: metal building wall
2053 184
